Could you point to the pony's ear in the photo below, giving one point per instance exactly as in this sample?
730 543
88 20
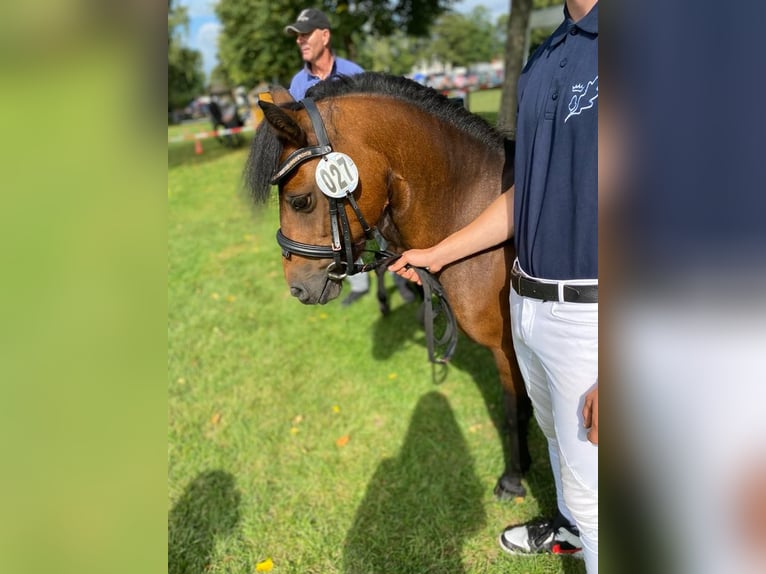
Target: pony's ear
280 95
284 125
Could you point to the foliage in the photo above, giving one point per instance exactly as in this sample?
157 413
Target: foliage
186 80
254 48
464 40
395 54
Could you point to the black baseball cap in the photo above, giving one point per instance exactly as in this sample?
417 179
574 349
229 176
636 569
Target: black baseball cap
308 21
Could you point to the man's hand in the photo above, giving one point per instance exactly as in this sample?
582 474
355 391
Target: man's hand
590 414
418 258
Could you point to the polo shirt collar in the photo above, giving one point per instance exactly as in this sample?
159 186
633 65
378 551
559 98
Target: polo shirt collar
332 70
588 23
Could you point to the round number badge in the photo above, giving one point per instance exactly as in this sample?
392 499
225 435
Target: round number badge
336 175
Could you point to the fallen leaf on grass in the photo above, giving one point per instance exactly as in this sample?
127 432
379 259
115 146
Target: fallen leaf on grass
335 409
215 419
215 296
343 441
294 430
392 376
264 565
297 419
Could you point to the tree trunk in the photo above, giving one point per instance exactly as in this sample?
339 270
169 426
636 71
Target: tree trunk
514 57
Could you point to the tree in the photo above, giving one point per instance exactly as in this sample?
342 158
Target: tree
395 54
518 20
253 47
514 57
464 40
186 80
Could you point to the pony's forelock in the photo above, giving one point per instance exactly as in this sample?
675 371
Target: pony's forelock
265 151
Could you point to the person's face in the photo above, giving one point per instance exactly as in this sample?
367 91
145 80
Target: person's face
312 44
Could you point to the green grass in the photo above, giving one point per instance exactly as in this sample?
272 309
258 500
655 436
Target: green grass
486 103
261 389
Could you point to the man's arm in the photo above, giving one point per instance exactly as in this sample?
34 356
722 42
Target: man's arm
493 226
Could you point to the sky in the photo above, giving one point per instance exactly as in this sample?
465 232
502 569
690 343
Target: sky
204 26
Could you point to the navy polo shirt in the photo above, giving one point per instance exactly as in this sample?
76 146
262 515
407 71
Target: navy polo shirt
556 166
304 79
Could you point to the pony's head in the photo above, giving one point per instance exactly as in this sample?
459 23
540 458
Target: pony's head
322 171
372 144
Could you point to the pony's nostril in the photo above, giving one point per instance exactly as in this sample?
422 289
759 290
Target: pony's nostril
298 292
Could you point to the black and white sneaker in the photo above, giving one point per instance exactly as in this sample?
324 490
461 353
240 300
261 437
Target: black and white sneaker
556 536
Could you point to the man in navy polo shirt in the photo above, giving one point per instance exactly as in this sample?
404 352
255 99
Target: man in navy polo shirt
312 34
552 211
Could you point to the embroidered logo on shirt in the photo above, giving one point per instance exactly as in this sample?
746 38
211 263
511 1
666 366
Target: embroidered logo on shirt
583 98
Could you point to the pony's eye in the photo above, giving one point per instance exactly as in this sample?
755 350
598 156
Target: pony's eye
300 203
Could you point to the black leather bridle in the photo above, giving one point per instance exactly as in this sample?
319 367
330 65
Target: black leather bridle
341 251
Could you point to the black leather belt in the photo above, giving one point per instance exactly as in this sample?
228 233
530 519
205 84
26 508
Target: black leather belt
527 287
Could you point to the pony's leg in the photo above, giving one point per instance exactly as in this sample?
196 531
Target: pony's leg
518 411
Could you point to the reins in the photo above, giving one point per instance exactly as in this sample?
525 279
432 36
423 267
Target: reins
435 303
341 250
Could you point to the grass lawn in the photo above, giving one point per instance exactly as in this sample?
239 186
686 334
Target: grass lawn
486 103
318 437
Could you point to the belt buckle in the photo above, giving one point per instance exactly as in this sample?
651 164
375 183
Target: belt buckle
575 293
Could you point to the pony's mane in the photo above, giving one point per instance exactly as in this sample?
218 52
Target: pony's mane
266 149
425 98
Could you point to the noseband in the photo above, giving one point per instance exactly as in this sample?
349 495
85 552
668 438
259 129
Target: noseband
341 251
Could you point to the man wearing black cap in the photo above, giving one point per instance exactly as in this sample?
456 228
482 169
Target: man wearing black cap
312 34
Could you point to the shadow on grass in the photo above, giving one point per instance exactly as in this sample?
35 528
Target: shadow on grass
478 362
420 506
402 325
207 511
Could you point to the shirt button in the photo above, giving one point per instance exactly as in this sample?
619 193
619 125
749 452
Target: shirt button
555 96
573 31
563 62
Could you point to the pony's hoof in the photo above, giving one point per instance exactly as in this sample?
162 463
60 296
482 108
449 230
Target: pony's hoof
509 489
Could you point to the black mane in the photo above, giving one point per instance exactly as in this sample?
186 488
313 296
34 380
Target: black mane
266 149
425 98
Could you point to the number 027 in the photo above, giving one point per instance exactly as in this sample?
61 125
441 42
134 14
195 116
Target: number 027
332 175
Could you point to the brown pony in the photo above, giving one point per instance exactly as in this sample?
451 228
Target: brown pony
423 167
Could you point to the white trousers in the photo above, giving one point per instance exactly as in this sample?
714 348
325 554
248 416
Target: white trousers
557 350
359 282
692 404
